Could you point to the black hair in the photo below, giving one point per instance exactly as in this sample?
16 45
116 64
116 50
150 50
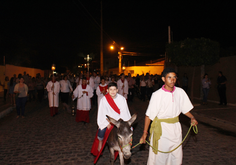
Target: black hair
167 70
205 75
121 74
102 78
112 84
84 78
11 81
221 73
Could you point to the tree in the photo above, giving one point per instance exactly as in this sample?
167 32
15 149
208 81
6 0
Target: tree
193 52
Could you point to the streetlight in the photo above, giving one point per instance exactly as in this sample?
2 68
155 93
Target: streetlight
111 47
53 68
119 53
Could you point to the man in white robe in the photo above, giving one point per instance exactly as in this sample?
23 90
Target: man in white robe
166 104
83 93
53 88
123 86
101 90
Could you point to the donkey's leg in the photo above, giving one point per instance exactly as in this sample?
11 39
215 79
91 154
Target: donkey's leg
112 157
121 158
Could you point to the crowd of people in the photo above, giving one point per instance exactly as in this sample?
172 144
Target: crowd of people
142 86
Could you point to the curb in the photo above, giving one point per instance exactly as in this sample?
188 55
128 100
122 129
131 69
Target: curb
5 112
216 122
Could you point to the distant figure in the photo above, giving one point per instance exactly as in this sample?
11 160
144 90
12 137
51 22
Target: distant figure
83 92
205 87
6 88
131 83
142 86
21 91
122 85
177 84
101 90
66 88
221 81
97 80
137 81
53 88
31 86
185 83
150 84
40 89
11 85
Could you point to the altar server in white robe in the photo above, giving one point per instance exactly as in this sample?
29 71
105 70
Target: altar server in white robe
53 88
123 86
101 90
83 93
166 104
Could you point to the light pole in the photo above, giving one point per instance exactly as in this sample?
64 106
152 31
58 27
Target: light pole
120 53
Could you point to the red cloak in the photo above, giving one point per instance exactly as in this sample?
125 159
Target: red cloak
94 149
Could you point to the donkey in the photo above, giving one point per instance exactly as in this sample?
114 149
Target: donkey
120 138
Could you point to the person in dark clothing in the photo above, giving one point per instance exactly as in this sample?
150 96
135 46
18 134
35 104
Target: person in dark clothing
40 89
221 81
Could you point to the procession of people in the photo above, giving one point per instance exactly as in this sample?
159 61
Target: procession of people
110 95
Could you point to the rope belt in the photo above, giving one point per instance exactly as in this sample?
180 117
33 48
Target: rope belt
195 130
156 129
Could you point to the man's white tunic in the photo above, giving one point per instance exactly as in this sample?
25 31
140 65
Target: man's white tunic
105 109
83 101
99 93
52 97
65 86
165 104
123 88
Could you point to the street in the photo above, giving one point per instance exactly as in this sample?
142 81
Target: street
41 139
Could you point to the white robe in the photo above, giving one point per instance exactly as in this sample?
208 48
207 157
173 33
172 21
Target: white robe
123 90
96 82
165 104
90 82
99 93
105 109
83 101
52 97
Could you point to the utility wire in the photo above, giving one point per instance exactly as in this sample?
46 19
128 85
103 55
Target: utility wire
92 18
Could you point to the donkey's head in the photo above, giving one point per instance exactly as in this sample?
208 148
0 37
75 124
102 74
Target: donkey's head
124 134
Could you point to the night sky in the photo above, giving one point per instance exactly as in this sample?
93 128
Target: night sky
38 33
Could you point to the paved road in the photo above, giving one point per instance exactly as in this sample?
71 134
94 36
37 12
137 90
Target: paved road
41 139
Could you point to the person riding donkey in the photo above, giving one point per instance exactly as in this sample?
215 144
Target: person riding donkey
115 106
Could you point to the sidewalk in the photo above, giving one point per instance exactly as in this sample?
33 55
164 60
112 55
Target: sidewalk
219 116
5 108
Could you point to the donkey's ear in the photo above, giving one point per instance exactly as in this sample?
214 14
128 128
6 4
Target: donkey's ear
132 119
113 121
